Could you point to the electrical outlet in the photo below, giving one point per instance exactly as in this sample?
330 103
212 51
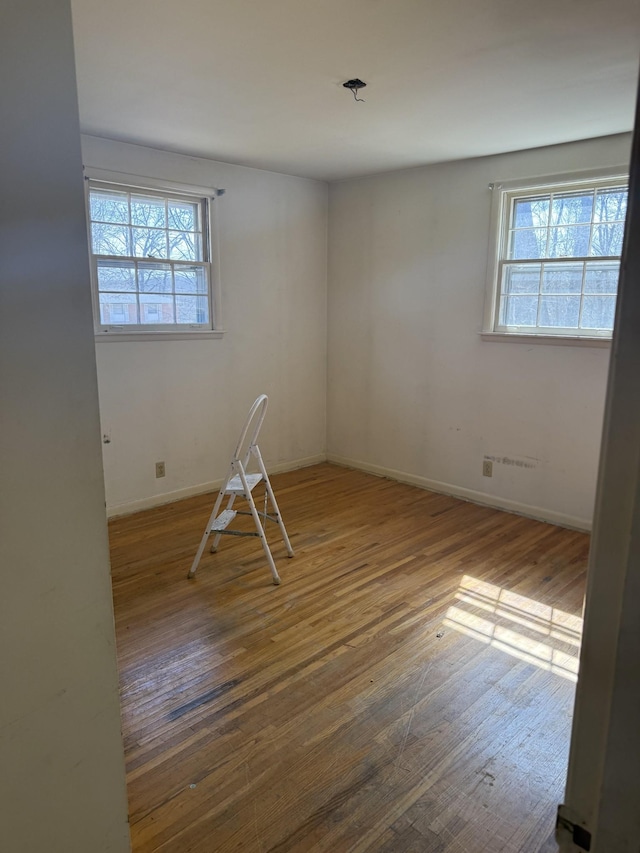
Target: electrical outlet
487 468
159 469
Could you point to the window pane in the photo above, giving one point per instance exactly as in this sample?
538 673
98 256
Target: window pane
531 212
519 311
110 239
184 246
610 205
570 208
190 280
183 216
569 242
560 311
602 277
118 308
598 312
607 239
109 207
192 309
154 278
149 243
156 308
528 243
149 212
116 275
521 278
562 278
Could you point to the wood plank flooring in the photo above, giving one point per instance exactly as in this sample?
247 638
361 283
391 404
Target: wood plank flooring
407 688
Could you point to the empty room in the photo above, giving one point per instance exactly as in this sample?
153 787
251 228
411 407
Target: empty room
398 241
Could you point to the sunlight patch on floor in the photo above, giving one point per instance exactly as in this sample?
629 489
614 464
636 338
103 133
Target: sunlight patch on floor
536 633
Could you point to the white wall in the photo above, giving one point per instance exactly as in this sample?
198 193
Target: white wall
62 786
184 401
413 391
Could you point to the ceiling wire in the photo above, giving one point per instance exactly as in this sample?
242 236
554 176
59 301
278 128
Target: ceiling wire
354 85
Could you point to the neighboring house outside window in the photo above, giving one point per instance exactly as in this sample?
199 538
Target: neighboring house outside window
151 260
556 258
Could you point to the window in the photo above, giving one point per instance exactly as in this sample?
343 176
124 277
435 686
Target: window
151 259
557 258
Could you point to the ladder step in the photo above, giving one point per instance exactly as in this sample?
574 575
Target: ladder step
235 487
223 520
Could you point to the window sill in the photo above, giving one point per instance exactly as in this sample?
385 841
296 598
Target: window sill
159 336
553 340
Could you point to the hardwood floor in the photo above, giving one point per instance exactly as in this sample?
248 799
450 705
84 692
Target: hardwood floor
407 688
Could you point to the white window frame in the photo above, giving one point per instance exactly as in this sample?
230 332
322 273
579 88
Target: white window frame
208 197
503 194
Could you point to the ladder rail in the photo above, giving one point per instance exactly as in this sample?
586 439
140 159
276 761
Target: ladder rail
257 411
205 537
272 498
259 527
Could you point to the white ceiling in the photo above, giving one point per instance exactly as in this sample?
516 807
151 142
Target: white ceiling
259 82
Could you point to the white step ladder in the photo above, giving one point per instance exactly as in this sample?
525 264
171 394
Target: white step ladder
241 484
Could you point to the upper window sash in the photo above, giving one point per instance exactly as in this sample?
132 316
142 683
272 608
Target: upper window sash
141 223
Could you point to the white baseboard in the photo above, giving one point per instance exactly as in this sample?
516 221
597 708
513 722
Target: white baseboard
538 513
471 495
130 507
